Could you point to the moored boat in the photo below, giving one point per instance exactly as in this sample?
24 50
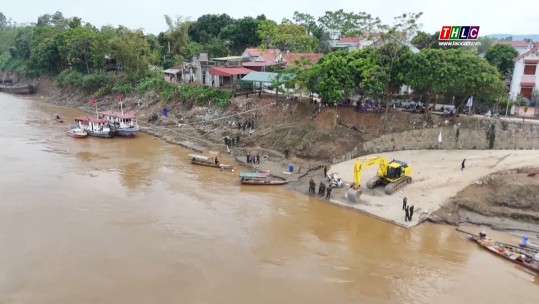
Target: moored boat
125 124
18 88
260 179
523 257
98 127
77 132
208 161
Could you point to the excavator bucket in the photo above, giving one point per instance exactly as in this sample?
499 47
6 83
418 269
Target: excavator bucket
353 195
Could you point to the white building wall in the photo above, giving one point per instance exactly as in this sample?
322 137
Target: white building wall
515 80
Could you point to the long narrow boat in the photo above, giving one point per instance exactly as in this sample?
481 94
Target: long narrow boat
207 161
260 179
523 257
18 88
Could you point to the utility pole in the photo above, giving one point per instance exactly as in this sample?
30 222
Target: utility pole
507 106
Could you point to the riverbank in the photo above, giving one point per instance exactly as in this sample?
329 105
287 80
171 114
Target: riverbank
202 129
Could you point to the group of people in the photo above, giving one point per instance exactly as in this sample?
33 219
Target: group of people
247 125
253 159
233 141
408 210
321 189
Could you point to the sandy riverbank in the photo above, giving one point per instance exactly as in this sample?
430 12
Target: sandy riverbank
436 178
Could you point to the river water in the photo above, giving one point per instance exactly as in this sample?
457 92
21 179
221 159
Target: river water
131 221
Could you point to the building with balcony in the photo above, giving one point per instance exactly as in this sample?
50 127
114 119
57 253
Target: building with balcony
524 80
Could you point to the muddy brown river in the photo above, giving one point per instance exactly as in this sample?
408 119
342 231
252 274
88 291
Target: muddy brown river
132 221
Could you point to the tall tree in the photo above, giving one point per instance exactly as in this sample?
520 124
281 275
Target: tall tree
340 23
242 33
286 37
209 26
501 56
176 38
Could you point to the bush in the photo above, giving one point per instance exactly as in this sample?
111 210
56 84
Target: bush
101 82
202 94
70 78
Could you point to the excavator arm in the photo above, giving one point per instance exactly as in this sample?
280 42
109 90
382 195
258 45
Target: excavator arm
358 166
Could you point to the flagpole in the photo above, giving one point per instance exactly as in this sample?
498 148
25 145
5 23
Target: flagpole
96 113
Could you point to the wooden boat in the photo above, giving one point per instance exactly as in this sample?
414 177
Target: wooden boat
17 88
125 124
260 179
523 257
208 161
77 133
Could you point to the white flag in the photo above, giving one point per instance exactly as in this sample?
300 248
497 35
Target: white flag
440 137
470 102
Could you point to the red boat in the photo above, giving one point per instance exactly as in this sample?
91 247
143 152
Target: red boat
523 257
260 179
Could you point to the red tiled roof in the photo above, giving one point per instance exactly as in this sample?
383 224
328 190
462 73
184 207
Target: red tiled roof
515 44
349 40
254 52
222 71
118 114
291 58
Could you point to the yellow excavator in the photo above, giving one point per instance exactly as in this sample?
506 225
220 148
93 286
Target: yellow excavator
393 174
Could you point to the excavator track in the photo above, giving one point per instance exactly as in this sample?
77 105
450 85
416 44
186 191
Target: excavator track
393 187
373 182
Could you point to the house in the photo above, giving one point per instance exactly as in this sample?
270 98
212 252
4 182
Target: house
225 76
252 54
261 80
354 43
521 46
260 60
524 80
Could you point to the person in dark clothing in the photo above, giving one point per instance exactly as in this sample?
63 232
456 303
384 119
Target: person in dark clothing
321 188
216 161
462 166
258 159
286 153
244 126
248 157
233 140
238 139
406 214
312 186
411 213
404 203
226 141
239 125
328 193
325 171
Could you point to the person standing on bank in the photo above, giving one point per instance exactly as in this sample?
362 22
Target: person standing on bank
406 214
462 166
404 203
411 213
325 171
328 193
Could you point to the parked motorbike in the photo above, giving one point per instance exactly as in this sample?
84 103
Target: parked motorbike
335 181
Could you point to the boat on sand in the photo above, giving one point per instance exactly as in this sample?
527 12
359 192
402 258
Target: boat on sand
260 179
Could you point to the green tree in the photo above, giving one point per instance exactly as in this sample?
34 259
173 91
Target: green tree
501 56
286 37
208 27
77 47
176 38
242 33
340 23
